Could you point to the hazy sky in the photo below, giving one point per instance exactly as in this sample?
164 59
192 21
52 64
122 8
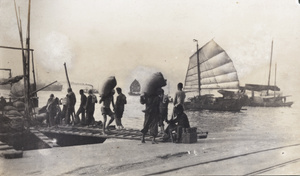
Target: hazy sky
130 39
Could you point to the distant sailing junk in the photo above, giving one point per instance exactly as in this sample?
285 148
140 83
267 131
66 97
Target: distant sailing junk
210 68
265 99
135 88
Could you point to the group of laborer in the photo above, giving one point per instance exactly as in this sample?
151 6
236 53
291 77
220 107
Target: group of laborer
156 113
86 109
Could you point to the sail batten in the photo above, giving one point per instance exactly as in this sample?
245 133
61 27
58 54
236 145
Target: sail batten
216 69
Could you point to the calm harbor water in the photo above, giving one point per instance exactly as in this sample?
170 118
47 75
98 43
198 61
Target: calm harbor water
269 120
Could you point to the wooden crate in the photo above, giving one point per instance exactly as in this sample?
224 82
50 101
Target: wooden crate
188 138
191 130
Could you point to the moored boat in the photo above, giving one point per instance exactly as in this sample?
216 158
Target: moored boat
264 97
210 68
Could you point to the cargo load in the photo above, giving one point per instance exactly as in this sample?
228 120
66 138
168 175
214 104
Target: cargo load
108 86
19 105
153 83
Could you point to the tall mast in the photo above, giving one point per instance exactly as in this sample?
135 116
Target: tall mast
275 77
26 64
270 68
25 58
198 68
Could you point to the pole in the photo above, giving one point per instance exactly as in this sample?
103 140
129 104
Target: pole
43 88
15 48
198 68
26 77
275 77
39 89
270 68
67 75
33 71
26 64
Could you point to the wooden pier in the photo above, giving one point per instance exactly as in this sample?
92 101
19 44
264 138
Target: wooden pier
8 152
126 133
74 135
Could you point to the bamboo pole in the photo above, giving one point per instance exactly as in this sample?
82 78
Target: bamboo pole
67 75
43 88
16 48
38 89
28 107
33 71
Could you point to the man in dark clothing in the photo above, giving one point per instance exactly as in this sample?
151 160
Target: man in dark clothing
81 109
163 110
52 111
2 103
71 101
119 107
181 121
90 107
151 116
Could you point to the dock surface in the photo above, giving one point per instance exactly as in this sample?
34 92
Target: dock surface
126 133
131 157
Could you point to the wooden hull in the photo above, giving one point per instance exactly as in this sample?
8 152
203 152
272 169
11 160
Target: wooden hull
271 104
134 93
279 101
221 105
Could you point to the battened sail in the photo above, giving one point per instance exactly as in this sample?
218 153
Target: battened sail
135 88
216 69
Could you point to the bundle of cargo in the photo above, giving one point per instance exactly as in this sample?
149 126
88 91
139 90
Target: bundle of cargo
107 87
17 109
109 84
153 83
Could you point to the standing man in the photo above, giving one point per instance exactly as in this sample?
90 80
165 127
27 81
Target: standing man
151 115
105 109
120 103
48 109
163 110
81 109
52 111
90 107
71 101
179 95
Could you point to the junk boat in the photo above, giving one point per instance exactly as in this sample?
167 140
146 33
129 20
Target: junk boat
261 96
135 88
210 68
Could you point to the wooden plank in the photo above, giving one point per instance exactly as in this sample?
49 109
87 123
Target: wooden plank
5 147
10 154
128 133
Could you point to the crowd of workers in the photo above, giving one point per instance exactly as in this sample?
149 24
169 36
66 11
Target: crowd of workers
156 112
55 115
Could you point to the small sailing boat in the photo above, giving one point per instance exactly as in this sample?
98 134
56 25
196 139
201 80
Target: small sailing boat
135 88
210 68
265 99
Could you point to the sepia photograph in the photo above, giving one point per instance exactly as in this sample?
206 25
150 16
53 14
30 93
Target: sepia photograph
169 87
